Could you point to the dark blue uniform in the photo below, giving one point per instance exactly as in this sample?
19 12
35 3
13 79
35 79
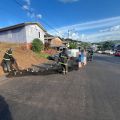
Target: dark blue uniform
6 60
63 61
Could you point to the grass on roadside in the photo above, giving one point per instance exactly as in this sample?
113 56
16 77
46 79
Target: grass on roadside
42 55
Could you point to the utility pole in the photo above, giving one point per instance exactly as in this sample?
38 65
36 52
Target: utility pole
68 34
70 30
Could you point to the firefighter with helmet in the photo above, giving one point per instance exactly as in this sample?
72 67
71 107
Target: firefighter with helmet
7 59
63 60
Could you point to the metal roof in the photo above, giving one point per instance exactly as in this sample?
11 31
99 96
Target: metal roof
21 25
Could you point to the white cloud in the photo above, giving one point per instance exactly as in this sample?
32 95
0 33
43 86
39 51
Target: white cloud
68 1
92 25
103 36
25 7
32 15
28 2
39 16
74 35
30 11
103 29
114 28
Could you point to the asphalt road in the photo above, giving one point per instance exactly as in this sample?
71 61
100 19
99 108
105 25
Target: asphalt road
92 93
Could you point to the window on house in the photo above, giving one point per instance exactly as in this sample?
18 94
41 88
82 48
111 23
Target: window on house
39 34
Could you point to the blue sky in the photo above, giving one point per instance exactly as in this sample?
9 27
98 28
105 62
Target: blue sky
86 20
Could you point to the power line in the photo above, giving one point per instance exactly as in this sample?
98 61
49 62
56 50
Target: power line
31 12
21 5
50 26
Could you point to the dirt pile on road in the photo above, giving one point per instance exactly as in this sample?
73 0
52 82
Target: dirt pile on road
25 58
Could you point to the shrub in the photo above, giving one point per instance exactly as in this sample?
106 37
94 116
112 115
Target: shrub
72 45
37 45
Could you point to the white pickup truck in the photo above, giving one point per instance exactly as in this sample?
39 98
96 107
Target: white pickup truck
73 55
73 52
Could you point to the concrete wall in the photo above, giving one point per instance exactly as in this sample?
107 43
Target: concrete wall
32 32
13 36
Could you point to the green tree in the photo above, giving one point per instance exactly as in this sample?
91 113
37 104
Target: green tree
85 45
72 45
100 47
37 45
107 45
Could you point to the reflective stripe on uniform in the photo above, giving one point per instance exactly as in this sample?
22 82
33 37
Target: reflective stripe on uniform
63 56
6 59
62 63
8 54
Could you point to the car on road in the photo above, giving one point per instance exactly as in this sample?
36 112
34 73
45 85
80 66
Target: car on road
112 52
109 52
117 53
100 52
73 52
73 56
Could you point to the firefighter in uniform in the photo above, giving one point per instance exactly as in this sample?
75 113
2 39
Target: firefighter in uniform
63 61
7 59
90 55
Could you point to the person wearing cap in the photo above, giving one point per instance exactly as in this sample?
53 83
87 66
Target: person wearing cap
6 59
63 61
79 58
82 58
85 57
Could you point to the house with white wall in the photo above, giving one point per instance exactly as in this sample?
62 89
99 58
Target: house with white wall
22 33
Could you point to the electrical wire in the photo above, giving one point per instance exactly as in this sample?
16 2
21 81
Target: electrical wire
31 12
